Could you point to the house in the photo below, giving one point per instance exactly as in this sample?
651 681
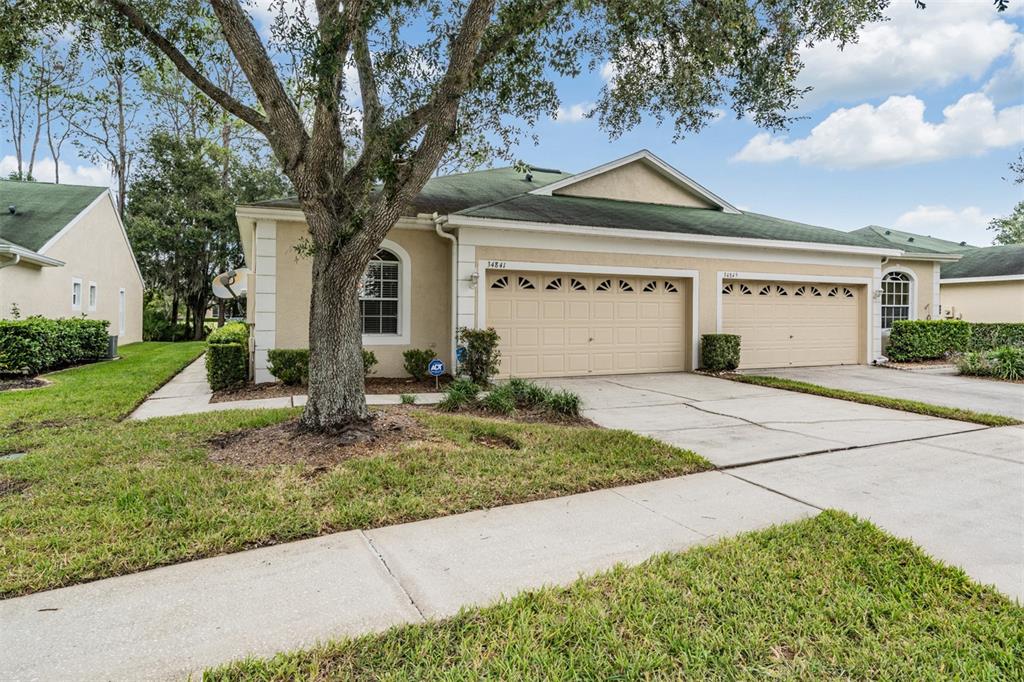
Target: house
613 270
985 284
64 253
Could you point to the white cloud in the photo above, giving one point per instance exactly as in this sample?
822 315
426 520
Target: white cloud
965 225
933 47
1007 84
43 171
575 113
895 132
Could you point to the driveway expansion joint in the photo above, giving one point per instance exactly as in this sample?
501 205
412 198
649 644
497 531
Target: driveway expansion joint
391 574
658 513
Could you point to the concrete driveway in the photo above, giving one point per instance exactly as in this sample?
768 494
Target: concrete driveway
736 424
956 489
935 387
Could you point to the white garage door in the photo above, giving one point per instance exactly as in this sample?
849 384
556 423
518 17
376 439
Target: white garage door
559 324
784 324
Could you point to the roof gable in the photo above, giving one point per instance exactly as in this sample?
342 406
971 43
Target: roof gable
914 243
41 210
990 261
639 177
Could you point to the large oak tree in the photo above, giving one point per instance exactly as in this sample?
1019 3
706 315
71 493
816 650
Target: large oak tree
362 100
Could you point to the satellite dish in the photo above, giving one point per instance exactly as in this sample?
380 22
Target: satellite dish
231 284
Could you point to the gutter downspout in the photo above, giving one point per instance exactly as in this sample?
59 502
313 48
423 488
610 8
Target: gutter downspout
439 221
14 261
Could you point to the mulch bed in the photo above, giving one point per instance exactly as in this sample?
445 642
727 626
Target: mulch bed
374 385
21 383
288 443
920 364
12 486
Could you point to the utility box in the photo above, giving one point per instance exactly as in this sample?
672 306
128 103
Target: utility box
111 347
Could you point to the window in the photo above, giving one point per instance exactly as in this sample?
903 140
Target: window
92 295
76 294
121 310
554 285
577 285
500 283
379 293
895 298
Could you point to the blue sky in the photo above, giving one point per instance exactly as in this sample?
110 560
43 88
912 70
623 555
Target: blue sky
911 128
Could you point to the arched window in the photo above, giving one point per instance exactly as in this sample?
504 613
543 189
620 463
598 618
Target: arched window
895 298
379 294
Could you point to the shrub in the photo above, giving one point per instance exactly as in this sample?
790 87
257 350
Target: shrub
527 393
369 362
227 356
289 365
460 394
563 403
1007 363
482 354
719 352
407 398
416 361
226 365
911 340
38 344
501 400
973 363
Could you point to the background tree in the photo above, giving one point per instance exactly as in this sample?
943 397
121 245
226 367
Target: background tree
1010 229
429 77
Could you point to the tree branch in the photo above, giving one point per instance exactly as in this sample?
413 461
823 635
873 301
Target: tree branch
367 81
181 62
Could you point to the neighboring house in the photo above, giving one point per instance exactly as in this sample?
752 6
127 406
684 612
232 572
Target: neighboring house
985 284
614 270
64 253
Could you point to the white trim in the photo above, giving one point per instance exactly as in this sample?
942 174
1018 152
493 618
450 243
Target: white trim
693 275
456 220
941 257
76 306
29 256
404 301
264 298
981 280
935 312
659 165
820 279
913 289
91 300
74 221
122 311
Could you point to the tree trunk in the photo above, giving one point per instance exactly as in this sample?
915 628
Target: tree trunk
337 397
174 308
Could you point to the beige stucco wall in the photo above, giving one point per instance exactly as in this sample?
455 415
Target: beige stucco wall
924 284
634 181
985 301
96 250
707 269
430 290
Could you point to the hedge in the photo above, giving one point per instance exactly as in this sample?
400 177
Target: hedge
227 356
289 365
719 352
38 344
912 340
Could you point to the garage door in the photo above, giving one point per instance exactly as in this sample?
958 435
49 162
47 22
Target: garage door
558 324
793 324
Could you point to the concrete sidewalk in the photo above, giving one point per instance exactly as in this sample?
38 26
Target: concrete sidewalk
189 393
169 622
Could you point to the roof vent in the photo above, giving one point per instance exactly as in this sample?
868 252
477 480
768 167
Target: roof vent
963 243
888 231
12 209
529 177
911 239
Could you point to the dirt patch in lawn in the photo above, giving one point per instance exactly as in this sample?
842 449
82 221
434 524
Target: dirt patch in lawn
288 443
524 416
374 385
11 486
21 383
498 442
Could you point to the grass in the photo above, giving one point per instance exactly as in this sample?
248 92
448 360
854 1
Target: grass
106 497
826 598
914 406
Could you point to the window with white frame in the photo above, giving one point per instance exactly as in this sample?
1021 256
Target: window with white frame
895 298
92 295
76 294
379 294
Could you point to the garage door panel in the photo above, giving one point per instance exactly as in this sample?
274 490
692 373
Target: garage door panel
793 324
557 324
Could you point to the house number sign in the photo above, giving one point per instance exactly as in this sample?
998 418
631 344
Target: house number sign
496 265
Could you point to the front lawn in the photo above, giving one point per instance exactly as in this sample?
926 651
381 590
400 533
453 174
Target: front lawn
825 598
902 404
102 497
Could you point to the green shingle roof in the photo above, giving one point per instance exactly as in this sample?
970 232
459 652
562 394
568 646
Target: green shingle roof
504 193
990 261
908 241
570 210
41 210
